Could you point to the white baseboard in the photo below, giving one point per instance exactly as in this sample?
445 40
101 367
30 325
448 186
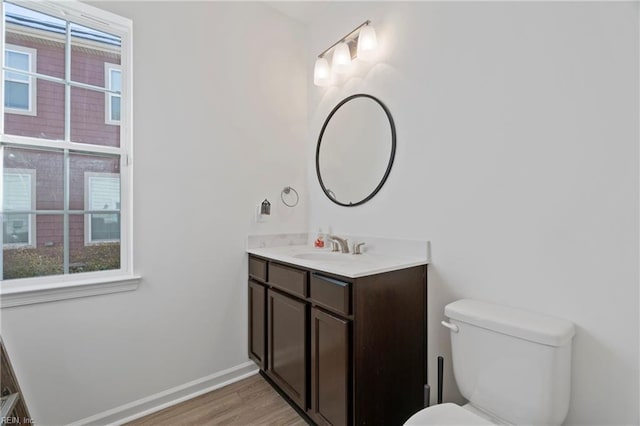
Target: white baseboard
159 401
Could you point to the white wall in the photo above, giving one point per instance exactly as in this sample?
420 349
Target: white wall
220 124
518 158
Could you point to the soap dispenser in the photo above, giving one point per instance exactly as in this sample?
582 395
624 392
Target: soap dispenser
319 242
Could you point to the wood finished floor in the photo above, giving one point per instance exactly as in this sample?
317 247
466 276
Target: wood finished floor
250 401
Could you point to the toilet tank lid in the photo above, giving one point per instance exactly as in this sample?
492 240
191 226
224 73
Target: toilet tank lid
511 321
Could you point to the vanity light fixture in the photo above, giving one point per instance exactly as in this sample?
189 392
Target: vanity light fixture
367 43
361 43
322 73
341 58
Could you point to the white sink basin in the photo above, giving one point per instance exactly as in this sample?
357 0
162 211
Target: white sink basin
323 257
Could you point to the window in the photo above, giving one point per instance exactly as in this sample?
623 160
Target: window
66 172
19 89
18 227
102 193
113 82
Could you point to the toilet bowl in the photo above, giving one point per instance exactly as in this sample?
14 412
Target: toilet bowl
447 414
513 366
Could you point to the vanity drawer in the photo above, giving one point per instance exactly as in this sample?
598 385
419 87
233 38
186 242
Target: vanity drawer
289 279
258 268
331 293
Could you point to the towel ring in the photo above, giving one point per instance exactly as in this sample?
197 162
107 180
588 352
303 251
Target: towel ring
287 190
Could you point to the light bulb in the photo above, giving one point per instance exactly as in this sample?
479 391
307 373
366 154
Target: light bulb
367 43
341 58
321 73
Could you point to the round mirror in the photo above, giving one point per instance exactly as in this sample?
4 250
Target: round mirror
355 150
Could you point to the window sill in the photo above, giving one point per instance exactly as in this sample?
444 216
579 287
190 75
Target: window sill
11 296
31 112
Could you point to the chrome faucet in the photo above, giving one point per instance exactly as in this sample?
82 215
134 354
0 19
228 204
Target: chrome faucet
342 242
356 248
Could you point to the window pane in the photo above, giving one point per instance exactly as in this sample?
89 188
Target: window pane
16 76
48 109
17 229
17 191
116 82
115 108
17 60
104 192
103 254
88 124
60 209
41 35
104 227
16 95
18 196
45 254
45 178
90 51
95 182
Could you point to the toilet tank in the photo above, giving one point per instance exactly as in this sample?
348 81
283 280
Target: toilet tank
510 363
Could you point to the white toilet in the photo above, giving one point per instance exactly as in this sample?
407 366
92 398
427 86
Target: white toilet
513 366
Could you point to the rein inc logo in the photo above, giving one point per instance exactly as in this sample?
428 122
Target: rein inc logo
12 420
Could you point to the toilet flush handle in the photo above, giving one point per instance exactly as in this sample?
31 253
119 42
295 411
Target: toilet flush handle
450 326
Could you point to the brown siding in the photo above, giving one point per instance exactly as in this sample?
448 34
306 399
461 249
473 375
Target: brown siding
87 106
49 189
87 125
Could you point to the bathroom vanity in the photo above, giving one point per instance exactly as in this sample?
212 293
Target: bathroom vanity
342 336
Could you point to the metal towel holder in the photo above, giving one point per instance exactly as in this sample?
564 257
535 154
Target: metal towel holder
287 190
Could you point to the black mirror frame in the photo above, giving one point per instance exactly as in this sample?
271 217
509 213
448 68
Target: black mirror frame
391 156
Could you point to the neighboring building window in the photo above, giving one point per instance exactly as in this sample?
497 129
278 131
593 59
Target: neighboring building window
102 193
82 206
19 89
18 226
113 82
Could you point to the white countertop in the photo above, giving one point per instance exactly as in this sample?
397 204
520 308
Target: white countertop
347 265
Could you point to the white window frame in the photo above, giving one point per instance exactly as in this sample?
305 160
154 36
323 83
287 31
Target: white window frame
24 291
33 95
87 206
108 118
32 217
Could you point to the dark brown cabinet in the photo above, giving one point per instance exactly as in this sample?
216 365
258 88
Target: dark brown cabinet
330 368
257 325
287 337
345 351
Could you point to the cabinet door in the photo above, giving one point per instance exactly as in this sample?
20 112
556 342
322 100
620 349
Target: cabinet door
330 369
257 323
287 345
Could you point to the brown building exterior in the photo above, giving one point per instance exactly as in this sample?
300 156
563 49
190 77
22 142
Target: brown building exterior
34 179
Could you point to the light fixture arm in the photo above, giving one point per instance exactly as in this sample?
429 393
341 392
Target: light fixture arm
345 38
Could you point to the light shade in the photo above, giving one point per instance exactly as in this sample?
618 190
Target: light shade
341 58
367 43
321 73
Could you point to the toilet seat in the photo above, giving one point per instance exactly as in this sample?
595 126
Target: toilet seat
446 414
